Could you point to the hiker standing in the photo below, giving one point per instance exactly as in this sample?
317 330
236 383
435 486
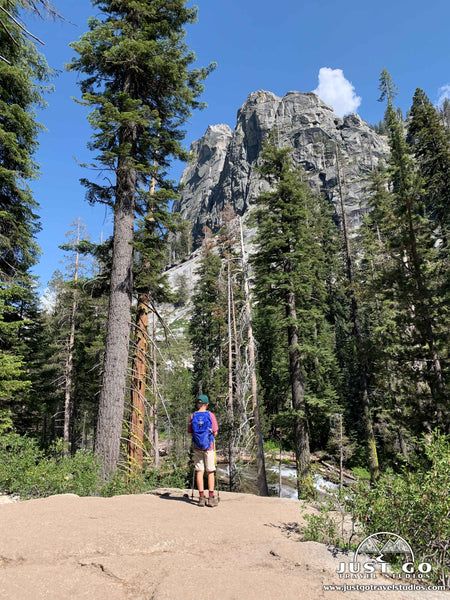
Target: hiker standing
203 428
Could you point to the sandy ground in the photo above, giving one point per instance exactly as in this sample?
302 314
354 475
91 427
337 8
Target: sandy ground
165 547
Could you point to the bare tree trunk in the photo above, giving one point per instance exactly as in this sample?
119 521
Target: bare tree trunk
112 396
301 429
69 359
341 450
138 387
139 379
280 479
260 460
401 441
230 406
154 407
238 393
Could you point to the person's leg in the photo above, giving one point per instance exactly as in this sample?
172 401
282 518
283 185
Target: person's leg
201 488
199 465
211 470
212 501
200 481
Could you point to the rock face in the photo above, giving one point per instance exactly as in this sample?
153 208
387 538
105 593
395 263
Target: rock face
224 169
143 547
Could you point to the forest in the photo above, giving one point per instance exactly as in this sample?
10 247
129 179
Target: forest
319 341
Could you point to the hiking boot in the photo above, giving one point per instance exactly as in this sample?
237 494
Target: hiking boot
202 501
213 501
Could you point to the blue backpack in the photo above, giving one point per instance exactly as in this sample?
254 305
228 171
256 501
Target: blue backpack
202 435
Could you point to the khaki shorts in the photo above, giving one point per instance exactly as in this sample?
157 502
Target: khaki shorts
204 460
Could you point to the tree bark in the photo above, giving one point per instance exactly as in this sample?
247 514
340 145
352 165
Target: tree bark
301 430
139 370
112 396
230 403
69 360
138 387
260 460
154 405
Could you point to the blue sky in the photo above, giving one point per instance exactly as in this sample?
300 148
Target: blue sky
277 47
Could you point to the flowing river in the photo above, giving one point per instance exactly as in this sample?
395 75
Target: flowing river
247 475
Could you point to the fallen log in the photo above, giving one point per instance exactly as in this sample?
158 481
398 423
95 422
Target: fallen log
336 470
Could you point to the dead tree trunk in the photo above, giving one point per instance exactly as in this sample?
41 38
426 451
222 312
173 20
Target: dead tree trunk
154 405
301 429
138 387
260 460
69 359
139 375
230 403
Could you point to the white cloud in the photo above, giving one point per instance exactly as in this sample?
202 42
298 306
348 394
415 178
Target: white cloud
444 92
337 91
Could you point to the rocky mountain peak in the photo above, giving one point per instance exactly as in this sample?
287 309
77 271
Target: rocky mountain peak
224 168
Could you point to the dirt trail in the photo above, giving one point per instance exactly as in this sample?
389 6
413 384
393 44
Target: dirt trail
163 547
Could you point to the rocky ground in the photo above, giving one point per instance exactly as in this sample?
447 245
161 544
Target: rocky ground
164 547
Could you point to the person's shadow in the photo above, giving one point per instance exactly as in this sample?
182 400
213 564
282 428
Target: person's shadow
183 498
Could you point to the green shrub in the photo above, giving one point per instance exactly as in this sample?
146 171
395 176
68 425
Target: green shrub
25 470
414 505
320 528
329 526
121 483
271 446
361 473
177 476
29 472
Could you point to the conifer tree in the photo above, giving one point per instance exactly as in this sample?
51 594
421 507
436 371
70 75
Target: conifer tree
61 332
139 81
359 359
23 72
12 25
152 288
430 144
208 326
405 277
290 281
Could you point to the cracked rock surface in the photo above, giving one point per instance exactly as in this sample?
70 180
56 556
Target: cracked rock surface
164 547
329 148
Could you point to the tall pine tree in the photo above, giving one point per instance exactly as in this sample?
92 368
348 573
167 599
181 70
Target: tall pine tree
138 80
290 283
405 279
23 72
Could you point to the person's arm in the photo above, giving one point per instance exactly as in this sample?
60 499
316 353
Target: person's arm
214 425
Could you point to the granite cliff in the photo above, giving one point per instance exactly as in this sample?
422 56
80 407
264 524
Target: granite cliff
223 170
